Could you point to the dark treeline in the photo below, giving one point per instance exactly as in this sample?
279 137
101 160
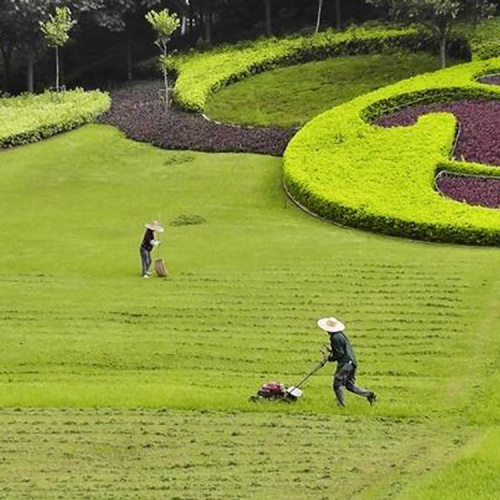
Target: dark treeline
112 36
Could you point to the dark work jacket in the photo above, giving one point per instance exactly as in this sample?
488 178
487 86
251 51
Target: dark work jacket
149 236
342 350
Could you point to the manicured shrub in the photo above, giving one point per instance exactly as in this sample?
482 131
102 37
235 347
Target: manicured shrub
200 74
30 118
345 168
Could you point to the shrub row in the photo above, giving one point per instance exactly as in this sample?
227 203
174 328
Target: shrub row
201 74
30 118
345 168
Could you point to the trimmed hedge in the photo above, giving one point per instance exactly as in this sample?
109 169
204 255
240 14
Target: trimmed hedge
30 118
346 169
201 74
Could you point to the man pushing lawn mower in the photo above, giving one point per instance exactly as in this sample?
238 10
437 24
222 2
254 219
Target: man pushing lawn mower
343 353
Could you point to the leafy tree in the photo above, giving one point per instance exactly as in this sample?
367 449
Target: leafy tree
56 32
164 24
20 33
439 15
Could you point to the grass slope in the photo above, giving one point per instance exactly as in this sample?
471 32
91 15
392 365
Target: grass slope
191 455
245 290
81 329
294 95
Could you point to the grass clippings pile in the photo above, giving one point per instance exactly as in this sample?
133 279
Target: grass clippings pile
140 114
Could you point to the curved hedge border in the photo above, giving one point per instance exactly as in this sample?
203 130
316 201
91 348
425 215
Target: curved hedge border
348 170
201 74
30 118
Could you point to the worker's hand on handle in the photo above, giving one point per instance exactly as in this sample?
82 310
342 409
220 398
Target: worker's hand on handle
155 243
326 354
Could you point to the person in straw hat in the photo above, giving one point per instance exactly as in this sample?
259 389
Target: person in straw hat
342 352
148 243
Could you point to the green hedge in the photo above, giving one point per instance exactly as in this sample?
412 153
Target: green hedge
30 118
348 170
200 74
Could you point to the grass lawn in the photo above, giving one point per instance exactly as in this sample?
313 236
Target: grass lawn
294 95
80 329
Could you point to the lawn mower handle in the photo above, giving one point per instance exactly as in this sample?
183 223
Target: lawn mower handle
312 372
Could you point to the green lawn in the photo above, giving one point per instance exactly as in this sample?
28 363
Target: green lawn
294 95
80 329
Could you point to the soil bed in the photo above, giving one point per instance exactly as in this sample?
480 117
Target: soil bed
139 113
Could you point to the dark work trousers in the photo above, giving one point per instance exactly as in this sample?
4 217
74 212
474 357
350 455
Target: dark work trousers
345 376
145 260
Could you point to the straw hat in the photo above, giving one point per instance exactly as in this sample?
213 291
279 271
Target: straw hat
155 226
331 325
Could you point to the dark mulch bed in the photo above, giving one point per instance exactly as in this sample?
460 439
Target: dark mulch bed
479 142
472 190
491 80
139 113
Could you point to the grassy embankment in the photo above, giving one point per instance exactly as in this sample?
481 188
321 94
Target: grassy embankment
294 95
81 329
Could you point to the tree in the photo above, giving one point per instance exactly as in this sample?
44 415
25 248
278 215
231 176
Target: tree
439 15
318 20
269 24
20 33
338 15
56 32
164 24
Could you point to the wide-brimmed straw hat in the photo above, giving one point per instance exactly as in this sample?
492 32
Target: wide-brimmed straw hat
331 325
155 226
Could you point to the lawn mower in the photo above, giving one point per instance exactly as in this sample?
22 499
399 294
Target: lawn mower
276 391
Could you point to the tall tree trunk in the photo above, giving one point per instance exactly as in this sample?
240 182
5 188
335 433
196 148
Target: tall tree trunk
130 73
191 24
320 11
338 15
442 49
30 73
57 69
208 27
269 24
167 90
6 58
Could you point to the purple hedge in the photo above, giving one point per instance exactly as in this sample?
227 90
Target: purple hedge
472 190
140 114
478 141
